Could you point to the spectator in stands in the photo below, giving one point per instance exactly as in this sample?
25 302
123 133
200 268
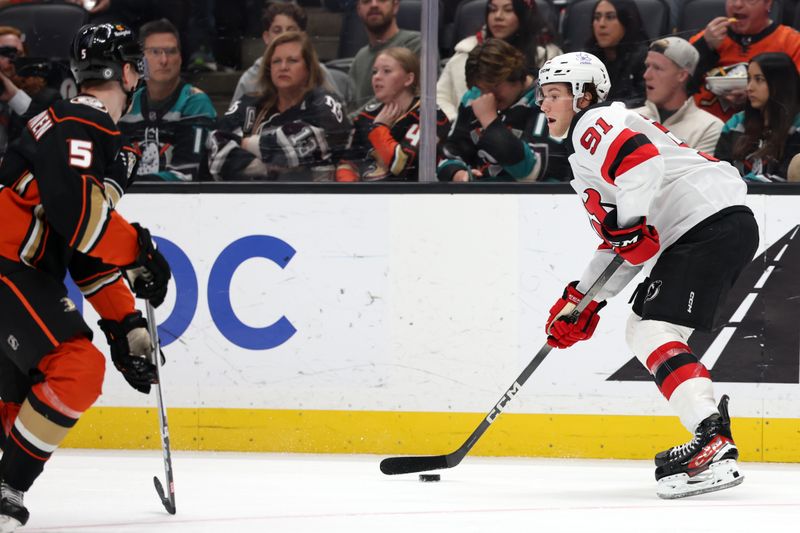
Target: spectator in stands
24 90
794 169
169 119
495 131
380 22
193 18
670 65
744 32
280 17
387 132
619 41
294 130
761 140
517 22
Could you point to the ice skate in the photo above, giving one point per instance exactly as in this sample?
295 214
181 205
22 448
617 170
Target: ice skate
13 513
707 463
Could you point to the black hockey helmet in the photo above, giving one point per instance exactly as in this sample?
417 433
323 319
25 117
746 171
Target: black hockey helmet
99 52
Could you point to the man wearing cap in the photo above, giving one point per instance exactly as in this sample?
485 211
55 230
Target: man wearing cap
670 65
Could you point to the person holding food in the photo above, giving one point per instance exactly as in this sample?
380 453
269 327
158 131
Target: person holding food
745 31
762 140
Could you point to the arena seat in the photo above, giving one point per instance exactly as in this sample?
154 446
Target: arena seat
578 21
48 28
470 15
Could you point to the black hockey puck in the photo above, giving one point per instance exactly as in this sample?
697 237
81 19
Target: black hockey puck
430 477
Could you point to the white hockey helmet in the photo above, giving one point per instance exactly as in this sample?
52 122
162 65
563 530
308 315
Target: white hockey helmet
576 69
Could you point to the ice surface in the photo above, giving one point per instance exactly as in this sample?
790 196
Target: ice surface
112 491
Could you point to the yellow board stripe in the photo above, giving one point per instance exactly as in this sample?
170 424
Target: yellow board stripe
382 433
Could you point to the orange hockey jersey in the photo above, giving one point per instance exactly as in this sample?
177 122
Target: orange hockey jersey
737 48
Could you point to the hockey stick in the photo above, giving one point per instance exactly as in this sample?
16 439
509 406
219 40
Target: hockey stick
408 465
169 499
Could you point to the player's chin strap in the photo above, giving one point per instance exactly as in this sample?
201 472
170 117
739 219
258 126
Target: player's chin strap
144 74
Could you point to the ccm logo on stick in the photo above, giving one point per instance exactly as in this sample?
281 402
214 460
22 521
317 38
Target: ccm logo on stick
501 405
218 292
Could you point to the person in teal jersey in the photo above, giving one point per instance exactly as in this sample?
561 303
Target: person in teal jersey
499 133
169 119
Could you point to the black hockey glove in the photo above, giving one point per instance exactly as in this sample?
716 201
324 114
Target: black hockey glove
131 350
125 166
150 274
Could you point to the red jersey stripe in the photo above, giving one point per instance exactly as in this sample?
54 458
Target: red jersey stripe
639 156
684 373
613 151
664 352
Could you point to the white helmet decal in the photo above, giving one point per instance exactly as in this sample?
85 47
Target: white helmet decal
577 69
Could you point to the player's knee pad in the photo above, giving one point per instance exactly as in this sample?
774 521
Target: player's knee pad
646 336
73 377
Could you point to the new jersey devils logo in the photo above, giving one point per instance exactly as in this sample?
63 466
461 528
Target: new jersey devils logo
652 290
597 210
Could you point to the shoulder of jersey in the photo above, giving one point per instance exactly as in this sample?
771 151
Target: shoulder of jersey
86 109
242 103
373 106
611 113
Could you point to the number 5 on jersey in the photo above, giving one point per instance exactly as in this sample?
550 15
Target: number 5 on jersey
80 153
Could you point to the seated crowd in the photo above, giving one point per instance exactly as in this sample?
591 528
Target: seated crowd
730 90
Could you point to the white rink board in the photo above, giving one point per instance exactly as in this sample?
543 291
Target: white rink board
428 303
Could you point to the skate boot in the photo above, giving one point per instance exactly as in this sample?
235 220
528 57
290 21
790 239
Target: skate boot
706 463
13 513
664 457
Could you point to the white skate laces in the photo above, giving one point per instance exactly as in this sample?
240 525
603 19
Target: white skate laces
707 463
678 451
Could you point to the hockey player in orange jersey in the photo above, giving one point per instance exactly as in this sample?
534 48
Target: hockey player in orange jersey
58 186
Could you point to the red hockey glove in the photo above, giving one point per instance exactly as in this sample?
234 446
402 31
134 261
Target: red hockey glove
636 244
561 332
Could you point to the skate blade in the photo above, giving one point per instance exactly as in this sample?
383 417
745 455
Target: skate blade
719 476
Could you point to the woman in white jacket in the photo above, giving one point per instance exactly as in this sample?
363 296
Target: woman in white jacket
517 22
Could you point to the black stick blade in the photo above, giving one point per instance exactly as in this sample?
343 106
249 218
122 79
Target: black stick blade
408 465
168 505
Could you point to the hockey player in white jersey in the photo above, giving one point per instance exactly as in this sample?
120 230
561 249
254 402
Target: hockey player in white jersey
678 215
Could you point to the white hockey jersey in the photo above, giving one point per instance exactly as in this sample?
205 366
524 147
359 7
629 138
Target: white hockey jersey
625 161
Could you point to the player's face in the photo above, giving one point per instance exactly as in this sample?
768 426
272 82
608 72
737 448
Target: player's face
389 79
557 107
163 57
10 40
280 24
502 20
608 30
377 15
288 69
662 78
751 15
757 88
